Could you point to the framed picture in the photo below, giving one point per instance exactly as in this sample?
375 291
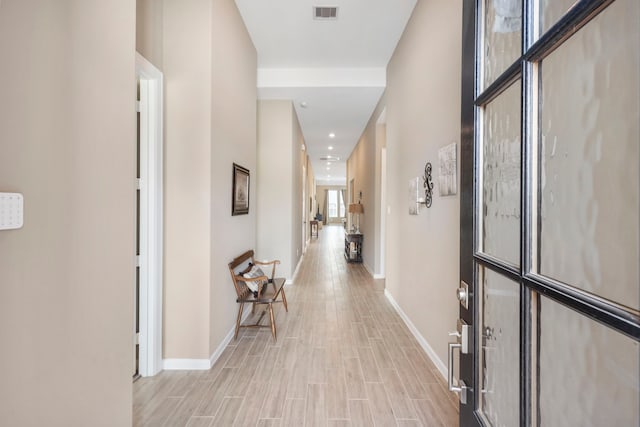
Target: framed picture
448 158
240 201
414 195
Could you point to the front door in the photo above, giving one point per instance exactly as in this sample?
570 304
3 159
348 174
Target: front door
550 213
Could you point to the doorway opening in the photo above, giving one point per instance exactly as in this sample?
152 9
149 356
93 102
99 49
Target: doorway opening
148 281
381 190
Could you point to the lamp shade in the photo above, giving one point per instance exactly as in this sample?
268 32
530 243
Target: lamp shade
356 208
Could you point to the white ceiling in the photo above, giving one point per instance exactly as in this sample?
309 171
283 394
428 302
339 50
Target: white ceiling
338 68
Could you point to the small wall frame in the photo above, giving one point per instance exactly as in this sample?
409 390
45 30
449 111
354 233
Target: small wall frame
240 191
448 170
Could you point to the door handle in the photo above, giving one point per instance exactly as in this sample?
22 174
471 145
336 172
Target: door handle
462 388
462 335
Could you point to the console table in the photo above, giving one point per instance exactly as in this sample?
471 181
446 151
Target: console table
353 247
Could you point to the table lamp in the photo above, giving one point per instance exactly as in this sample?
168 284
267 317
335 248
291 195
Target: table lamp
356 208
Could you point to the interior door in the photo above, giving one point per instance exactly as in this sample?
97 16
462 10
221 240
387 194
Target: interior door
550 234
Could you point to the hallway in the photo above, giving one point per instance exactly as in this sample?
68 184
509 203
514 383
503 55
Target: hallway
343 358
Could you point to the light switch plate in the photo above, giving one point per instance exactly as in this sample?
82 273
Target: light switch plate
11 211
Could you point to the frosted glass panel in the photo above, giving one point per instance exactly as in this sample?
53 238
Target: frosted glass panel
501 177
499 359
590 133
551 11
589 374
502 36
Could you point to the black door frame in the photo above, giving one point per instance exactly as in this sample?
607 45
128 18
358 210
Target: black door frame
468 416
621 319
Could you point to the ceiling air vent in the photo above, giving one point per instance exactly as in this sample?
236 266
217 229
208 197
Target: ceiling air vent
324 13
329 159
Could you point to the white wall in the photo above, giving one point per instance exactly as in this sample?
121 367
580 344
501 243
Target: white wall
67 142
423 115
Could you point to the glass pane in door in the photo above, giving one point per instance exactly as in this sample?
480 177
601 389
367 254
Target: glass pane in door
502 37
589 374
500 185
499 359
590 140
551 11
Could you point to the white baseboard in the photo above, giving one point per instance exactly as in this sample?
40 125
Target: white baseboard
185 364
366 267
421 340
370 270
202 364
295 273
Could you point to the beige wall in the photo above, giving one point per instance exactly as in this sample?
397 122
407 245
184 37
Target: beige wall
380 190
279 187
149 30
234 137
310 195
423 115
210 123
187 71
67 142
363 168
297 192
320 197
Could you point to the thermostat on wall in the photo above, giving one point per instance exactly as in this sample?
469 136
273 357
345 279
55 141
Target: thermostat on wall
11 211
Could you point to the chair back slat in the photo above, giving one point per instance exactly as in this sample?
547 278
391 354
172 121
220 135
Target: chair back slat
242 290
241 259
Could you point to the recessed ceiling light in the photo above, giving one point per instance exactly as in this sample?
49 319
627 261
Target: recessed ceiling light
330 147
332 135
304 104
328 168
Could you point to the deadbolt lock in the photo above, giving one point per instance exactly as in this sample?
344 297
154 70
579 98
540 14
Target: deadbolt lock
463 294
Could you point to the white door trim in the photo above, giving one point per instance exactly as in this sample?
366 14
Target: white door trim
381 133
151 243
383 212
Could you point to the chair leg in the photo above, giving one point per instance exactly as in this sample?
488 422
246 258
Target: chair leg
253 308
273 323
284 300
235 337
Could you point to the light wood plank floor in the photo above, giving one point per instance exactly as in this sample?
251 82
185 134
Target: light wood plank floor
343 358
